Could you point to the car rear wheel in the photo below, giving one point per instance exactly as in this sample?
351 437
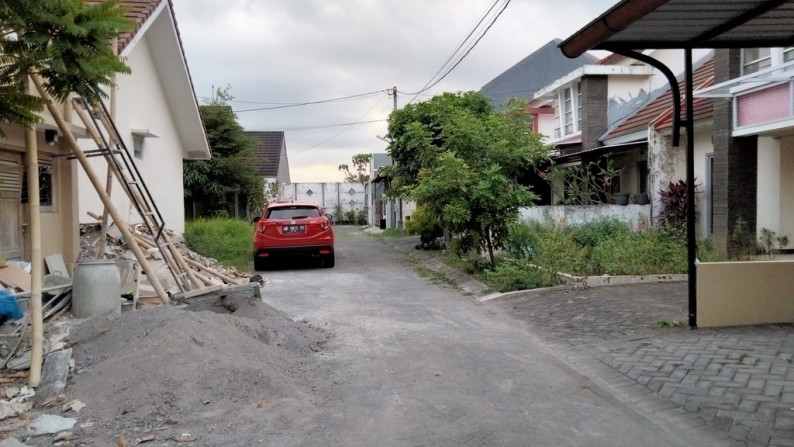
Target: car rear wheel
329 261
260 264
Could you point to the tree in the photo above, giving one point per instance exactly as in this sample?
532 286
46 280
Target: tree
64 41
459 159
361 164
231 169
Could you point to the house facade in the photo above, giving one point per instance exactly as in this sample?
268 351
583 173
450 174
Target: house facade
271 161
597 111
752 166
157 117
156 113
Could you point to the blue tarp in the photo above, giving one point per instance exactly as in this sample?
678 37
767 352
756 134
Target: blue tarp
9 307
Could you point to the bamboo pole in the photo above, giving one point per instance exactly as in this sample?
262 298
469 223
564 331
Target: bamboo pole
205 281
103 224
136 250
36 260
220 275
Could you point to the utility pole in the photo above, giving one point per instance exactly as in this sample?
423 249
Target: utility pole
398 223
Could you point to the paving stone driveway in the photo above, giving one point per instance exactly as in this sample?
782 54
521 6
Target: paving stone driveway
740 380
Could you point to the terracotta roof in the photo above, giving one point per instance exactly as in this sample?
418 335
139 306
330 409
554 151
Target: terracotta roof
268 151
663 103
612 59
138 11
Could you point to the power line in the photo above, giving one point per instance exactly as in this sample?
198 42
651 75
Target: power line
460 45
432 84
299 104
346 128
299 129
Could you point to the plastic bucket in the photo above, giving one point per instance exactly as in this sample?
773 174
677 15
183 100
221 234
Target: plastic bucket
96 289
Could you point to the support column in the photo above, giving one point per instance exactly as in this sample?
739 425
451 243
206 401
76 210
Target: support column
735 179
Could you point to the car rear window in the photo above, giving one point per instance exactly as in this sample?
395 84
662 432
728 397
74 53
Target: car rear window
292 212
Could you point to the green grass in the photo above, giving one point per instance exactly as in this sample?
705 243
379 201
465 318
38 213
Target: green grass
225 239
596 248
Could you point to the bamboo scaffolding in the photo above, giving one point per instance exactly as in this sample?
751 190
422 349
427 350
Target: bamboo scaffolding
81 157
175 261
150 220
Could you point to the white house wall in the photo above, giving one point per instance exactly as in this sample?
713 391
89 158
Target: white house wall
769 184
668 164
776 185
141 104
703 147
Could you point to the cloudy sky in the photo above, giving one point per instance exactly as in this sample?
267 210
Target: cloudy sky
276 53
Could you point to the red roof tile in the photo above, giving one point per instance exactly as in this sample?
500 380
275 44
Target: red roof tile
640 120
138 11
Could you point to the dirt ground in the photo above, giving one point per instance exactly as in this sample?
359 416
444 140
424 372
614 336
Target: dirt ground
208 372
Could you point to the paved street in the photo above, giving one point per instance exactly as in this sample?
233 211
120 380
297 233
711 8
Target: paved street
737 380
414 361
740 380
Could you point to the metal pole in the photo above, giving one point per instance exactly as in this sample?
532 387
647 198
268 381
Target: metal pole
691 240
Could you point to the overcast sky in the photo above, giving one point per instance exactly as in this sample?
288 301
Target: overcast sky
279 52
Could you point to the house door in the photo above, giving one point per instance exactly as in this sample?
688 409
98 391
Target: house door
11 237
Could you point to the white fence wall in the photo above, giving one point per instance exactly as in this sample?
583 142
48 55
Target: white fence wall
635 215
351 196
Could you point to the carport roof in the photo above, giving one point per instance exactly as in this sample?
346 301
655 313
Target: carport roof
659 24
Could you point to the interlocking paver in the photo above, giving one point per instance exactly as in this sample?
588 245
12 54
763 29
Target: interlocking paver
739 379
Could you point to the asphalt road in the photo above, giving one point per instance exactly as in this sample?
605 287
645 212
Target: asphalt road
412 362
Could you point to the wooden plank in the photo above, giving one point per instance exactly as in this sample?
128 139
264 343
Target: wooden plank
198 292
53 375
13 276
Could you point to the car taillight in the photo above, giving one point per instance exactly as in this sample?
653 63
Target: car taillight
261 228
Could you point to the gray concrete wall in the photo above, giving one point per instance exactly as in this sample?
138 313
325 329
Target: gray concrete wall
636 216
351 196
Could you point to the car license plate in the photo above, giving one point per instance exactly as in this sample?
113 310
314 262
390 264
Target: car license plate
294 228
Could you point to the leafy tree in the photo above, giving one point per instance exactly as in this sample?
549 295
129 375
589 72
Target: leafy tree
361 165
66 42
458 158
231 169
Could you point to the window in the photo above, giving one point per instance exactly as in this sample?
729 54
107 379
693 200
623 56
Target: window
137 146
45 186
568 111
756 59
642 171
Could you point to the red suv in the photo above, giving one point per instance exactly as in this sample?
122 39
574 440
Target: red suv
293 228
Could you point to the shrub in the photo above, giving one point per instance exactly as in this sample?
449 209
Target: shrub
427 227
522 239
645 253
513 274
590 233
556 250
674 205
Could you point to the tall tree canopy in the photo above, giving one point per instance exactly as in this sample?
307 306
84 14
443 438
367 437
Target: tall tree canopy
231 169
458 158
361 166
66 42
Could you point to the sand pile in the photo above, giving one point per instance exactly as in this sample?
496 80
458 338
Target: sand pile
202 371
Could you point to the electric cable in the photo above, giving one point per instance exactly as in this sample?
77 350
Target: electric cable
299 104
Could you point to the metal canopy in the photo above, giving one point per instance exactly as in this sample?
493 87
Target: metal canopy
661 24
